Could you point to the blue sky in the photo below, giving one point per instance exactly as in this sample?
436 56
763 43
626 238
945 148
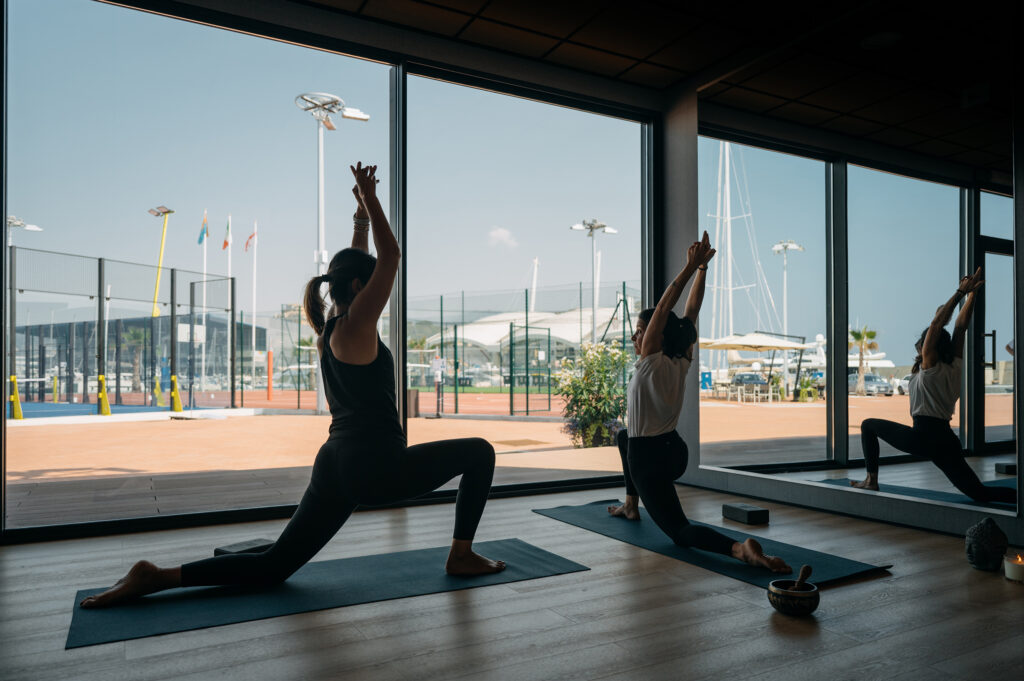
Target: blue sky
113 111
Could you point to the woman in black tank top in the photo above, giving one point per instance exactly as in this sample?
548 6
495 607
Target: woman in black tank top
365 459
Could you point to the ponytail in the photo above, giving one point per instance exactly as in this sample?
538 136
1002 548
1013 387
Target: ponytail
313 304
347 265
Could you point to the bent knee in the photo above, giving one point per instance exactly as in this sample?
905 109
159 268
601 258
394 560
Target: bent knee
482 450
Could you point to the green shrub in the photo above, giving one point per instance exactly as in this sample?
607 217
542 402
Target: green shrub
595 399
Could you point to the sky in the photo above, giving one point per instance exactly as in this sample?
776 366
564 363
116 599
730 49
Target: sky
114 111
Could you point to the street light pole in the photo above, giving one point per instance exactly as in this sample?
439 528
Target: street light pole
784 247
592 226
321 105
160 211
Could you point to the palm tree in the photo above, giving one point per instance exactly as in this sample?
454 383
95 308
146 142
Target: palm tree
863 340
134 340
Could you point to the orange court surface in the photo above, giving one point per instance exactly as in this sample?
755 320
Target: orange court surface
47 452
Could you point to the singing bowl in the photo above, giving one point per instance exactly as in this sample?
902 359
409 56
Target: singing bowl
788 601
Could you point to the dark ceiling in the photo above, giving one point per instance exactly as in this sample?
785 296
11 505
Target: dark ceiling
904 74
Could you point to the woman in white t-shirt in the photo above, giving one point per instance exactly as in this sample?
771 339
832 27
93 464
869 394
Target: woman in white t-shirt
934 389
653 454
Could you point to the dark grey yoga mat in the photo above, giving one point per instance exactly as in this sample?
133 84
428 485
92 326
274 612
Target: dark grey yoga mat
645 534
933 495
316 586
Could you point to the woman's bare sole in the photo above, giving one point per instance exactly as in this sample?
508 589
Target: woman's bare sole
627 511
469 564
144 578
870 482
751 553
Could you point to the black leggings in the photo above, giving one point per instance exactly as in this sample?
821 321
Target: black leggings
347 473
933 439
651 466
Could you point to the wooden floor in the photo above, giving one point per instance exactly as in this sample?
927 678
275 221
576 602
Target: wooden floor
634 615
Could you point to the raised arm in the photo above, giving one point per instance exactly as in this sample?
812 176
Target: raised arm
929 351
696 296
366 308
360 224
698 254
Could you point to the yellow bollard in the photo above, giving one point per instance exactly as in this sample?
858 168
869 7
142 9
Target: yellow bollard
55 395
158 394
102 396
15 400
175 396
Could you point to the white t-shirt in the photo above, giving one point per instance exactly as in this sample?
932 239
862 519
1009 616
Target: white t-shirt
934 391
654 396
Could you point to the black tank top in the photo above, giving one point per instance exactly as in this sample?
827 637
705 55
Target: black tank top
361 396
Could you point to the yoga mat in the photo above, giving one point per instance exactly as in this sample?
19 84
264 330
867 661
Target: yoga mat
645 534
318 585
933 495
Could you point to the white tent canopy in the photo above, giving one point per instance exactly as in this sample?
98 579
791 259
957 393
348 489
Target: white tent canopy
755 342
492 331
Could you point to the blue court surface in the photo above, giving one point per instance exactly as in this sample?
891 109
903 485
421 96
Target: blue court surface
34 410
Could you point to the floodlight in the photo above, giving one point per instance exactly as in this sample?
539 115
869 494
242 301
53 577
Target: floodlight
328 123
354 114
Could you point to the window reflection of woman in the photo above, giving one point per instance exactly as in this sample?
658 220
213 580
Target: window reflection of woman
934 389
653 454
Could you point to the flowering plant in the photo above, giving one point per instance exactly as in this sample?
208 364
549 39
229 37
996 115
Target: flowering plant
595 400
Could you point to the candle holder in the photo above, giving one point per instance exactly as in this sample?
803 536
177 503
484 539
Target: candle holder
1013 567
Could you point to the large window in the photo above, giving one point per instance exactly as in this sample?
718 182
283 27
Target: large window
112 112
762 326
500 287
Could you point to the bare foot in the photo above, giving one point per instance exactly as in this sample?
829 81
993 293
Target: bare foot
469 563
144 578
628 510
751 553
870 482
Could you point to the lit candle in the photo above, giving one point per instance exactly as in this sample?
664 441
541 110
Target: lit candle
1014 568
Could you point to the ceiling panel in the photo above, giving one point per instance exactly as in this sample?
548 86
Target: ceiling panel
652 75
803 113
587 59
504 37
624 32
558 19
747 99
418 15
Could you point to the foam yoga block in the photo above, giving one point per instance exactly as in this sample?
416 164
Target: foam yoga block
745 513
251 546
1006 468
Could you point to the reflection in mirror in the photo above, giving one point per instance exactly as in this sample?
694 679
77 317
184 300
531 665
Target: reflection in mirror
762 358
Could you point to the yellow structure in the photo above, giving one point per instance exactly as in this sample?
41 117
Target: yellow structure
15 399
160 211
102 396
55 391
158 394
175 395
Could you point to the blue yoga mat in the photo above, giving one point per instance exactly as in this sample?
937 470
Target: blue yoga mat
933 495
645 534
316 586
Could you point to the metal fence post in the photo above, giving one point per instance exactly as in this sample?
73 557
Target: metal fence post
231 345
526 345
174 322
101 339
511 367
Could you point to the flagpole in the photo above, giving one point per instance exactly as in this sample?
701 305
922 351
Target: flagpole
255 245
231 328
202 356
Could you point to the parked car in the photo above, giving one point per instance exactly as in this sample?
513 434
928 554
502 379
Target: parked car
748 379
873 385
903 386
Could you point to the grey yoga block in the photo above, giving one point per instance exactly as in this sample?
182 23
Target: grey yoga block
745 513
251 546
1006 468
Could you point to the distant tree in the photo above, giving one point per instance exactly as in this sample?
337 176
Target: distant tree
863 341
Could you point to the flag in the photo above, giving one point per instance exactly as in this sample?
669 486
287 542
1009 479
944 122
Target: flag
204 231
252 238
227 236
